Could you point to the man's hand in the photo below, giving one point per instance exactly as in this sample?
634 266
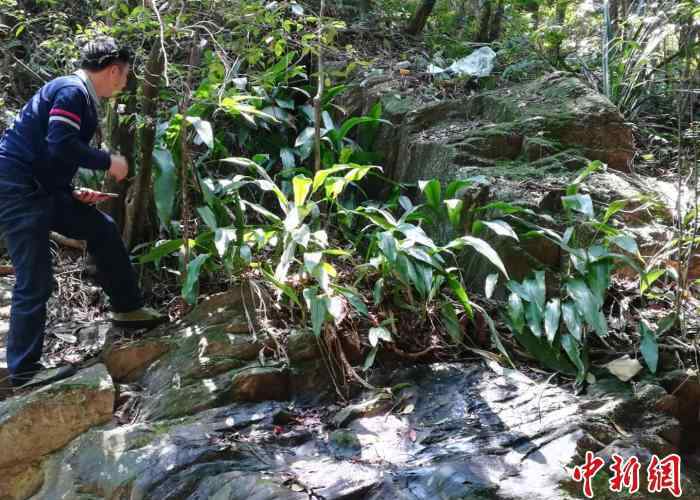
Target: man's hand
118 169
90 197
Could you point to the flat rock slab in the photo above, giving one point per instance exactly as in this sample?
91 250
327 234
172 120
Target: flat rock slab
40 422
457 431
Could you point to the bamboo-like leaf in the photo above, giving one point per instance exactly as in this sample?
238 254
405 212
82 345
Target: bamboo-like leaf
516 312
501 228
580 203
573 351
587 305
649 347
204 130
160 250
461 295
208 217
189 288
490 284
451 322
454 212
534 318
481 247
222 238
301 187
572 320
649 278
379 333
432 192
552 314
164 185
387 244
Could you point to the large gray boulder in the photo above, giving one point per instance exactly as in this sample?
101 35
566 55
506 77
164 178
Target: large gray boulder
37 423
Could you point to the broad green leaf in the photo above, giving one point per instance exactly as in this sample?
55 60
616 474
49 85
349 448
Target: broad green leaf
321 176
580 203
666 324
189 288
454 212
572 320
454 187
319 308
549 356
379 333
421 255
490 284
222 238
285 261
287 157
208 217
587 305
387 244
451 322
432 192
378 291
165 184
358 173
649 347
649 278
354 298
306 136
481 247
349 124
592 167
461 295
335 186
534 318
522 291
416 234
312 260
302 186
283 287
501 228
516 312
160 250
369 360
203 129
598 278
539 290
626 242
613 208
552 314
573 350
301 235
424 278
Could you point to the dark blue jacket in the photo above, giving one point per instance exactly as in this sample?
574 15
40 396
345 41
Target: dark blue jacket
51 136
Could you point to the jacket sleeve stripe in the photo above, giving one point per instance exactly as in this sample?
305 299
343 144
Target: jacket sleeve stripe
64 120
63 112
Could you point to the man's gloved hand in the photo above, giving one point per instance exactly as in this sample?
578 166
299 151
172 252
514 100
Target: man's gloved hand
118 169
90 197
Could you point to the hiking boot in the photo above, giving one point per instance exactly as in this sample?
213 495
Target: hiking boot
144 317
42 377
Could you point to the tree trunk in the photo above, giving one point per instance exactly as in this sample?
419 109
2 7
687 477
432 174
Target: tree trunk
420 17
140 195
496 22
121 139
560 19
484 22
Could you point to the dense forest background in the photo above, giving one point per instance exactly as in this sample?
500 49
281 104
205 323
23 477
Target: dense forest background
250 162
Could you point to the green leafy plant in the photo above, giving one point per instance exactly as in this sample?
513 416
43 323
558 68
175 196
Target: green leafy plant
556 330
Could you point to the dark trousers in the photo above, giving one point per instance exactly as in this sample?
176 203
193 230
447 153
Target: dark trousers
27 214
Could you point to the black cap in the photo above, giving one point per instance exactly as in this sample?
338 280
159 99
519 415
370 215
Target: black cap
102 51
